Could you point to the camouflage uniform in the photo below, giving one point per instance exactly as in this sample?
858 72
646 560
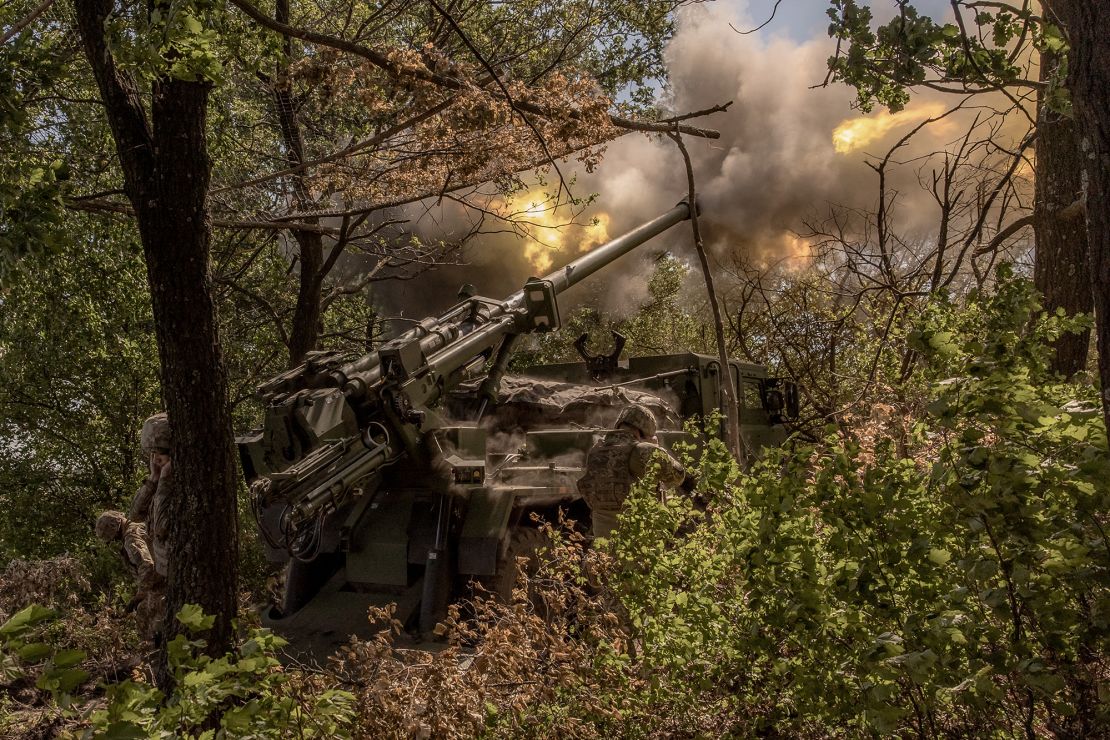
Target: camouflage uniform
149 504
616 462
149 508
150 595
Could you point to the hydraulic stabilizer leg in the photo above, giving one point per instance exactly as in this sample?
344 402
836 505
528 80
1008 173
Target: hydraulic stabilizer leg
437 572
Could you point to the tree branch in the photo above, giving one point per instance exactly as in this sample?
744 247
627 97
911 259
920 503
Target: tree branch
761 25
504 90
279 325
450 83
730 390
1000 238
123 104
347 151
102 206
27 20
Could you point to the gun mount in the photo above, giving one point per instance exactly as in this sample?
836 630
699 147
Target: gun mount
361 480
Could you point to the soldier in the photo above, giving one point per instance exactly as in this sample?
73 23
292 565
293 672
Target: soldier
150 501
620 459
149 602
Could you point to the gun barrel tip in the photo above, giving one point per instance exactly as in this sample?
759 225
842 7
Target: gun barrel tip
691 211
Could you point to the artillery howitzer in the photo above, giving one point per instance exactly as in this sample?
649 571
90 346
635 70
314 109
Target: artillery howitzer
362 478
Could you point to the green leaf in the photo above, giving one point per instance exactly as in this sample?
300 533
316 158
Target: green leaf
198 678
25 619
34 652
123 731
192 25
194 618
67 658
938 556
63 681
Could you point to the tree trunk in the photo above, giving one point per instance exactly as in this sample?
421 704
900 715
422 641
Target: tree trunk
305 331
166 172
174 225
1089 84
1060 267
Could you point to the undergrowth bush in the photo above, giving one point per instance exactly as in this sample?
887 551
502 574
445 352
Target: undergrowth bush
959 589
947 576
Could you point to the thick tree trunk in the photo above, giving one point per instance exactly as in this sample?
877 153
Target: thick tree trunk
1089 84
1061 268
173 223
166 171
305 331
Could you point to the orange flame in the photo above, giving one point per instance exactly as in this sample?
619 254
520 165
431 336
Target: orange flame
856 133
549 231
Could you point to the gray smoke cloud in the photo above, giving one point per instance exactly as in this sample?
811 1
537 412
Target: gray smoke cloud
776 162
774 166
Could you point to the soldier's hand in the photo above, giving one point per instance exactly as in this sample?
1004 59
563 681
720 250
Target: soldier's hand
155 466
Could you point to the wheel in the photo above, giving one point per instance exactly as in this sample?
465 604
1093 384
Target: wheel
524 542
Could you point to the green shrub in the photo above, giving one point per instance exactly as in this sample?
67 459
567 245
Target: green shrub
962 588
246 694
23 651
247 691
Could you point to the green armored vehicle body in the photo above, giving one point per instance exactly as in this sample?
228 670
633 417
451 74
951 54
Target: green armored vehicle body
405 474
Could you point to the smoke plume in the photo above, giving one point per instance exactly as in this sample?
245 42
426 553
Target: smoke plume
789 148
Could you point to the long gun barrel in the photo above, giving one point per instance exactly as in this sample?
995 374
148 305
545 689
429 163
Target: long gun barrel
436 333
332 423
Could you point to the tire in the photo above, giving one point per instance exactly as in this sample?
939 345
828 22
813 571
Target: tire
524 542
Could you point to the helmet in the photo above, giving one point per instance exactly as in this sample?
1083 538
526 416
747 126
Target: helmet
639 418
109 525
156 434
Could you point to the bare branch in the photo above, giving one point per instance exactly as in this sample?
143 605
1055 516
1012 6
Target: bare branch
261 302
102 206
347 150
27 20
1001 237
761 25
731 391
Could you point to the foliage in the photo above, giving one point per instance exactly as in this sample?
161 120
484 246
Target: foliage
913 50
174 38
60 584
247 690
957 589
829 336
31 182
78 370
56 669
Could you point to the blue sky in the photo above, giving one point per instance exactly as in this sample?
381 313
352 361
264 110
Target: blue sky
804 19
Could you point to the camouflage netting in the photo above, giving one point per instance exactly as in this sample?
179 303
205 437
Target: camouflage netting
529 402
